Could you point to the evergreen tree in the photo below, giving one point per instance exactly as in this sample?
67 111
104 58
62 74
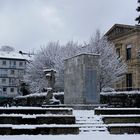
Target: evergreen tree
138 10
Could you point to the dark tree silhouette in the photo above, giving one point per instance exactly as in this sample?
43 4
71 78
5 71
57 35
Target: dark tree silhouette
138 10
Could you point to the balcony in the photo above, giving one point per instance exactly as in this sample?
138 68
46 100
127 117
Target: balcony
12 66
3 75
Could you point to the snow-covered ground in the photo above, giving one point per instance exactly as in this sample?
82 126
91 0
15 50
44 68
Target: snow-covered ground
91 128
86 136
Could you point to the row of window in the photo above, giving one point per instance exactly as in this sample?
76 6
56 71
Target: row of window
4 72
128 52
12 63
12 81
5 90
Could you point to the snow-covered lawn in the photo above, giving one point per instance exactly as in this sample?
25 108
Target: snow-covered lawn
83 117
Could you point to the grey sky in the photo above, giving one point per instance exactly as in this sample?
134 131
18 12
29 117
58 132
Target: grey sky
28 24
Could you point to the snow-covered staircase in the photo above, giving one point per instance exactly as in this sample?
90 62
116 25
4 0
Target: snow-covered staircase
35 121
88 122
121 120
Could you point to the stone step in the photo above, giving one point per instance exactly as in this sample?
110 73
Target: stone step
54 106
115 111
64 111
92 129
121 119
76 106
43 130
37 120
124 128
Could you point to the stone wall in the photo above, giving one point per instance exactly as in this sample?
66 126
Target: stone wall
35 100
121 99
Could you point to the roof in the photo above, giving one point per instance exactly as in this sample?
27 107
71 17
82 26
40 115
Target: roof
119 25
12 55
118 30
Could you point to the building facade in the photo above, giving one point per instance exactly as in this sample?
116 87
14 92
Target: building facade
126 39
12 70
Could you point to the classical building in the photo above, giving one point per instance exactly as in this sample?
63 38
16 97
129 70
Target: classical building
12 69
126 39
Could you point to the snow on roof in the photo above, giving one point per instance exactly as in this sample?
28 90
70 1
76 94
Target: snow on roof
13 55
80 54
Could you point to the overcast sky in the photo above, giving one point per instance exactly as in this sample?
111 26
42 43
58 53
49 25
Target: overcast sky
29 24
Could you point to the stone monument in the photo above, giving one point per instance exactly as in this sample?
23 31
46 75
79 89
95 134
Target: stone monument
50 76
81 79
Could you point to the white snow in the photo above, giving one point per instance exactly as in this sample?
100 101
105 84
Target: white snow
48 75
34 108
120 116
118 108
123 124
40 94
86 118
34 115
58 93
12 55
34 126
85 136
120 92
49 70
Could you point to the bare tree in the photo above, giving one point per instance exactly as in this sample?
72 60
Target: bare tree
112 68
53 56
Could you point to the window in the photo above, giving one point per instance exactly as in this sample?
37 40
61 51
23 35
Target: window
12 81
11 89
20 64
118 51
13 64
4 89
4 63
128 52
3 81
21 73
12 72
129 81
3 73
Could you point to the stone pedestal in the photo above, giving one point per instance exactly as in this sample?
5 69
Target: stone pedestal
81 79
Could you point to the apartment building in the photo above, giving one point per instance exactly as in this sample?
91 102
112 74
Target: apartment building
126 39
12 69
